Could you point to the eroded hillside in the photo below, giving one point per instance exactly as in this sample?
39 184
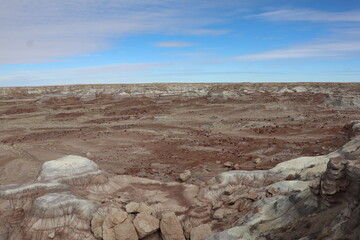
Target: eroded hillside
147 135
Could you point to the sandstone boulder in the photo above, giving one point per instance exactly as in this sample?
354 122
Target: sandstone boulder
171 228
271 191
145 224
143 207
51 235
257 161
200 232
185 176
96 226
112 219
218 214
229 164
252 196
132 207
237 166
125 231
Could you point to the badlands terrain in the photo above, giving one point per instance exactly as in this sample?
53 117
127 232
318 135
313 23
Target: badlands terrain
180 161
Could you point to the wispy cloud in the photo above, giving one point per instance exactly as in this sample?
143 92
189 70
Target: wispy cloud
329 50
211 32
174 44
309 15
79 74
193 54
43 31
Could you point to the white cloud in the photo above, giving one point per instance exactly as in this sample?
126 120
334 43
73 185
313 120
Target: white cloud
42 30
343 43
174 44
309 15
329 50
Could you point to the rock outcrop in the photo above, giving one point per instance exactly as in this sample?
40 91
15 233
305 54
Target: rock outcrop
279 204
73 198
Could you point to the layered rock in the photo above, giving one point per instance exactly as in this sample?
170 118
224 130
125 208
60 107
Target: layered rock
73 199
68 167
339 189
332 181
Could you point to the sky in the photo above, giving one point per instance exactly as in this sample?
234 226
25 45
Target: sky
58 42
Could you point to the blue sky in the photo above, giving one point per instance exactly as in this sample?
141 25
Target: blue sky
56 42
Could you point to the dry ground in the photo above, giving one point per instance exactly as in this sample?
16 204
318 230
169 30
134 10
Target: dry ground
159 137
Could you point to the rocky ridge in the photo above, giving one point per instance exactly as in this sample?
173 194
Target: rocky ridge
334 95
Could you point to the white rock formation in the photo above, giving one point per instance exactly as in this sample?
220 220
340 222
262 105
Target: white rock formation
68 167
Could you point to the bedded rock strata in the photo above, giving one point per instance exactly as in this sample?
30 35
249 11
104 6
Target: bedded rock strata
73 198
333 190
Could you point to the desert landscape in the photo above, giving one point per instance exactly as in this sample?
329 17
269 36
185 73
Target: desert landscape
180 161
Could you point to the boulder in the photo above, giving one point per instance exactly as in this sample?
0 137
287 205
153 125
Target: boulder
113 218
185 176
257 161
143 207
125 231
51 235
252 196
229 190
96 226
171 228
218 214
145 224
154 236
200 232
217 204
237 166
271 191
116 216
132 207
229 164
